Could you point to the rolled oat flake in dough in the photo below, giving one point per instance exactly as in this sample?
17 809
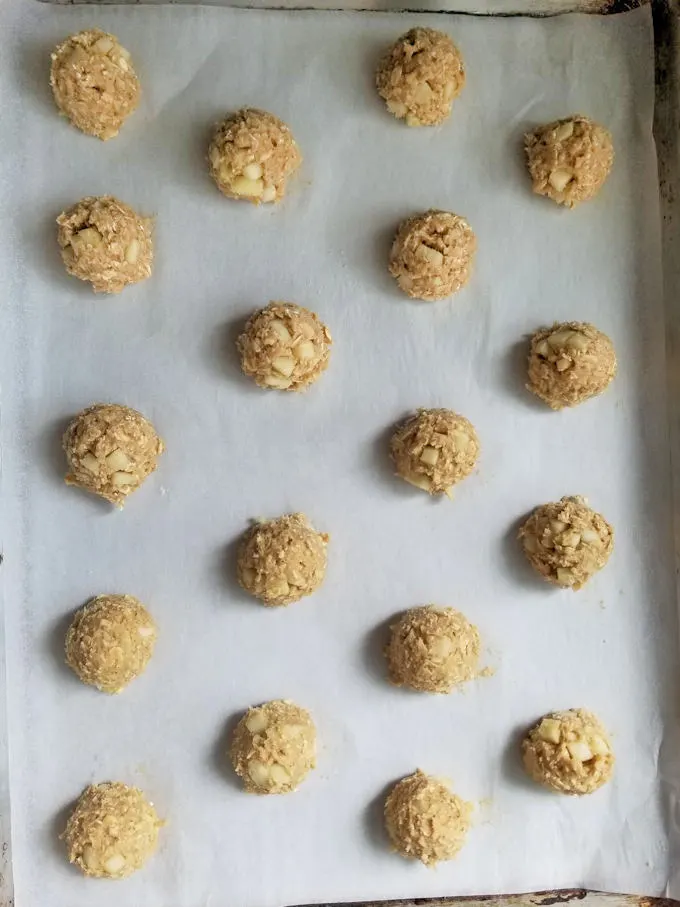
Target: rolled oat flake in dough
273 748
252 155
110 641
112 831
566 542
104 242
94 83
432 255
284 346
110 450
425 820
419 76
569 752
282 560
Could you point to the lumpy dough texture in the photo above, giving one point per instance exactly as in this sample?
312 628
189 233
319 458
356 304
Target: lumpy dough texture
274 747
112 831
567 542
110 450
93 82
284 346
570 363
106 243
432 255
419 77
282 560
110 641
569 160
434 449
569 752
432 650
425 820
251 155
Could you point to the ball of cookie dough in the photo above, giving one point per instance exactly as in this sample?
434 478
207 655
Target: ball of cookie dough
110 642
112 831
425 820
567 542
106 243
569 160
569 752
284 346
93 82
251 155
419 77
432 650
110 450
282 560
434 449
570 363
273 748
432 255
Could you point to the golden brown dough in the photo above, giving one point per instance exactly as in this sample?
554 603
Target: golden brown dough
432 255
569 752
420 75
112 831
94 83
110 450
425 821
252 155
567 542
569 160
106 243
273 748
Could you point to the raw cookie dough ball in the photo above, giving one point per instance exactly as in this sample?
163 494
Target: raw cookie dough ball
425 820
251 155
435 449
112 831
569 160
282 560
570 363
567 542
569 752
432 650
110 450
432 255
274 747
93 82
110 641
419 77
106 243
284 346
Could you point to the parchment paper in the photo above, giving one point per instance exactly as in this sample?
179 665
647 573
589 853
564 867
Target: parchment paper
235 452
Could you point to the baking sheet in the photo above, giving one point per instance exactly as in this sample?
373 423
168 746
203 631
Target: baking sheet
234 452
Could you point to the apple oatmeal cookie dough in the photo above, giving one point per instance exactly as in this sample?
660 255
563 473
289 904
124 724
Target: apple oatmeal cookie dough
569 752
432 255
112 831
435 449
110 642
570 363
94 83
252 154
425 820
104 242
419 77
110 450
569 160
282 560
432 650
284 346
273 748
566 542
